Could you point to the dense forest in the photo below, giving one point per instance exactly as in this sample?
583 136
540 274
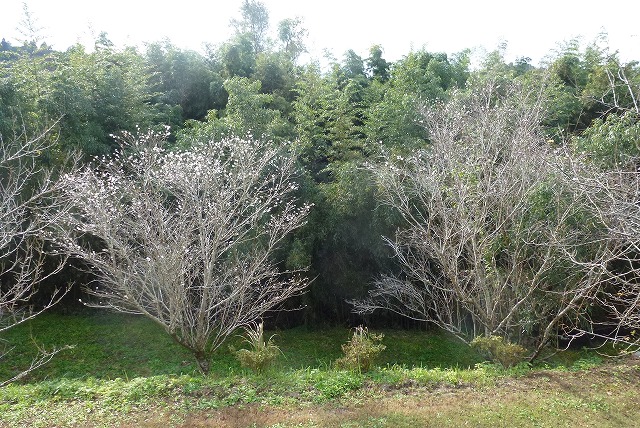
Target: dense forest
494 200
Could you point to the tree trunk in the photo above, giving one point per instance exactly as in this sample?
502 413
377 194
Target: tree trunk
203 362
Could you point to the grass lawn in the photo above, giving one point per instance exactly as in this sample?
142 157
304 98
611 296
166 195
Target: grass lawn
109 345
124 371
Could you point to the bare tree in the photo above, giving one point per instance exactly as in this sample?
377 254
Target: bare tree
607 174
25 193
612 197
622 197
186 237
488 224
621 90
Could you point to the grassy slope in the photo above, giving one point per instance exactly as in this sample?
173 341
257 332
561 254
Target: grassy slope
109 346
124 371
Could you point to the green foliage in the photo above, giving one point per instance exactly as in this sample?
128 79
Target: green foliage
428 76
276 74
327 114
343 233
291 35
361 351
26 91
611 142
184 79
582 229
247 113
585 85
500 350
91 95
588 361
261 354
564 107
236 57
377 66
394 117
613 86
569 67
337 384
254 23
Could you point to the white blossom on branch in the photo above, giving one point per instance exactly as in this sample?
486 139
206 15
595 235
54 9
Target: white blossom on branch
186 237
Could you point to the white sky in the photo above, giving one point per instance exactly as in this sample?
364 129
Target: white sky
530 28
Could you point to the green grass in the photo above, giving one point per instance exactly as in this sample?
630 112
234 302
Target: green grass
388 397
123 367
109 346
106 345
303 347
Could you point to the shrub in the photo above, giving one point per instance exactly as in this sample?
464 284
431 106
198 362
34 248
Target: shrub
504 352
261 353
361 350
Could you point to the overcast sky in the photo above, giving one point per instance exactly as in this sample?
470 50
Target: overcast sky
530 28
